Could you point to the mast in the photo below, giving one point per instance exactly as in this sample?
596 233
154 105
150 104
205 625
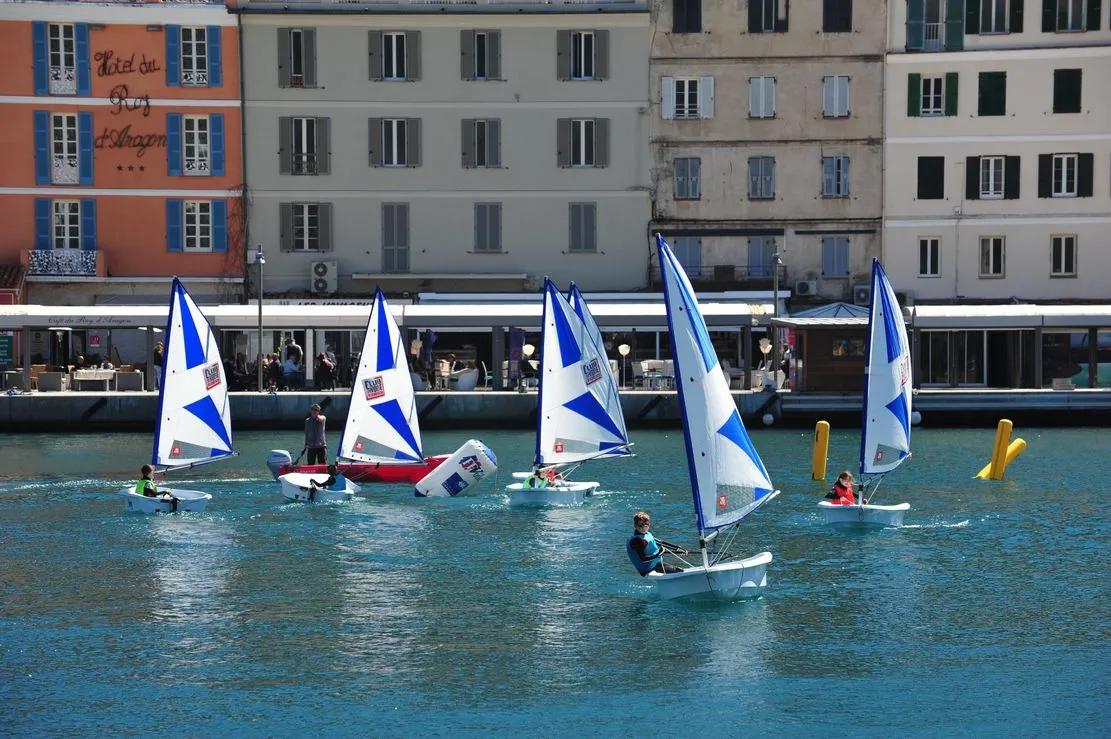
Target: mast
867 374
540 370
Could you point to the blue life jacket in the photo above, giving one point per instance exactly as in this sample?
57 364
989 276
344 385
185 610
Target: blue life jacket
340 483
651 549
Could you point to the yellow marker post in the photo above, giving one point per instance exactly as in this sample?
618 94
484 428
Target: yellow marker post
1014 451
999 450
821 451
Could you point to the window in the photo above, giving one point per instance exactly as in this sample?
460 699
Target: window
304 146
761 178
481 55
688 250
688 178
761 256
835 97
582 55
686 98
296 58
1064 175
835 256
198 225
767 16
481 49
487 227
933 95
194 56
583 227
933 26
993 93
686 16
1063 256
67 224
196 159
929 256
993 16
582 142
1070 15
835 177
393 142
306 227
481 143
931 178
992 254
65 168
395 237
991 178
837 16
393 55
761 97
63 60
1066 90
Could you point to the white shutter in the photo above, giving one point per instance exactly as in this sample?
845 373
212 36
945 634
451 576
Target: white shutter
667 98
706 97
829 107
769 97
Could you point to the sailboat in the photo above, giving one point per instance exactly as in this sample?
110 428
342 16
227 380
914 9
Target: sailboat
728 479
579 415
885 429
194 418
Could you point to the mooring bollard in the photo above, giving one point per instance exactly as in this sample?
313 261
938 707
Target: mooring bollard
821 451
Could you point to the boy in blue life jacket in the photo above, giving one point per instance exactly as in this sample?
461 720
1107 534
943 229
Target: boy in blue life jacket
646 552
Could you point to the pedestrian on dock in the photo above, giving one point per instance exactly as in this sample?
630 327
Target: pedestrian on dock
159 348
316 442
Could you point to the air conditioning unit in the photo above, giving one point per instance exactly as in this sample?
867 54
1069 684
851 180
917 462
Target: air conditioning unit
905 298
862 294
806 288
323 278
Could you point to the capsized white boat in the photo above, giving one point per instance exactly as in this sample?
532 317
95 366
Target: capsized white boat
297 486
728 478
885 429
194 417
579 415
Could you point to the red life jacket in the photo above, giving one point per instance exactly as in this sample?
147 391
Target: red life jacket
845 495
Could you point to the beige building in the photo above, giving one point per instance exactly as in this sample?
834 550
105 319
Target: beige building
766 136
447 146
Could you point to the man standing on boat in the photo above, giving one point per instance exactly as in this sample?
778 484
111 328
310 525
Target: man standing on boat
646 552
316 442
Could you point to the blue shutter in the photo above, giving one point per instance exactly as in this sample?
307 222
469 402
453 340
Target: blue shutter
85 148
39 51
42 223
173 55
827 257
216 143
215 57
81 47
220 225
173 144
842 255
173 225
88 224
42 147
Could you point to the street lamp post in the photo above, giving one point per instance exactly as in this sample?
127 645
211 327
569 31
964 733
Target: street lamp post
260 258
776 262
623 350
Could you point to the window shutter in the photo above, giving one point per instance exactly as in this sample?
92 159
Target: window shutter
755 16
563 142
493 226
914 95
972 178
324 224
1067 84
412 55
590 226
829 258
85 148
1012 167
601 55
667 98
493 55
954 26
42 147
481 227
1015 24
174 147
601 142
563 55
323 145
694 173
219 225
678 16
283 57
574 226
1045 175
916 25
843 254
215 57
755 87
468 143
308 45
952 90
285 145
1049 16
216 143
827 96
285 232
374 52
81 54
466 55
706 97
781 23
846 18
88 224
1093 15
173 225
493 143
41 61
173 55
42 223
971 16
1084 166
412 142
845 189
375 141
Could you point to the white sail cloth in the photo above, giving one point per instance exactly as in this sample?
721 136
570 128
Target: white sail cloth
728 478
885 437
594 334
382 423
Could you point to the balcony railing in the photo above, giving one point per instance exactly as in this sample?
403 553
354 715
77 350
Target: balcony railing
63 81
62 262
935 37
723 276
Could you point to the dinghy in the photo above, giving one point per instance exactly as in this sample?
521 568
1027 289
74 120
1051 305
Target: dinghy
728 479
885 430
194 418
579 415
298 487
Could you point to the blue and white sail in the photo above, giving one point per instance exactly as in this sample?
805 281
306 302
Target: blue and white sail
578 418
728 478
885 437
194 418
382 423
594 334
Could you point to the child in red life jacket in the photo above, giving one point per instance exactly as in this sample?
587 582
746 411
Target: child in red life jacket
842 493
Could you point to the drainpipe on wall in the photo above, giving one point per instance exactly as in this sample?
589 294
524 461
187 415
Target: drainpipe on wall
243 149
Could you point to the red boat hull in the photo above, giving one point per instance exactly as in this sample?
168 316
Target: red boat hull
363 472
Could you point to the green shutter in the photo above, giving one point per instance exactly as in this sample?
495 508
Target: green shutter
916 24
951 89
972 17
914 95
954 25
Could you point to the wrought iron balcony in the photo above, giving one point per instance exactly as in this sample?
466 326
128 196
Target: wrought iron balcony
62 262
729 276
935 36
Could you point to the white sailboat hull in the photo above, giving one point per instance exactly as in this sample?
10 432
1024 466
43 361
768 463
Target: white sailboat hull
728 581
564 494
863 514
296 488
188 501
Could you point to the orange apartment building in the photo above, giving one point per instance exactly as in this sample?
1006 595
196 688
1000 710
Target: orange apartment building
121 137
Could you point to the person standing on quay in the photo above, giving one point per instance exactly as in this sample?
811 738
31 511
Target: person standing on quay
316 443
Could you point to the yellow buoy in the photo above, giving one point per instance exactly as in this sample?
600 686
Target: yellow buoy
821 451
1003 452
1014 450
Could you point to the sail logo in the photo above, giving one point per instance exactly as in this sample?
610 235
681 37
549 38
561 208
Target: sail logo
211 375
374 387
558 447
904 369
723 501
592 371
175 451
471 466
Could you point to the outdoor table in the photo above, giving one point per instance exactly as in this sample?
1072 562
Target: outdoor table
93 375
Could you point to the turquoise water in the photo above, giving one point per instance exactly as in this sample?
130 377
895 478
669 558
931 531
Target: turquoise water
393 615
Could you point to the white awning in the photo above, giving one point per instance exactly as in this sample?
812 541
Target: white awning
1014 316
